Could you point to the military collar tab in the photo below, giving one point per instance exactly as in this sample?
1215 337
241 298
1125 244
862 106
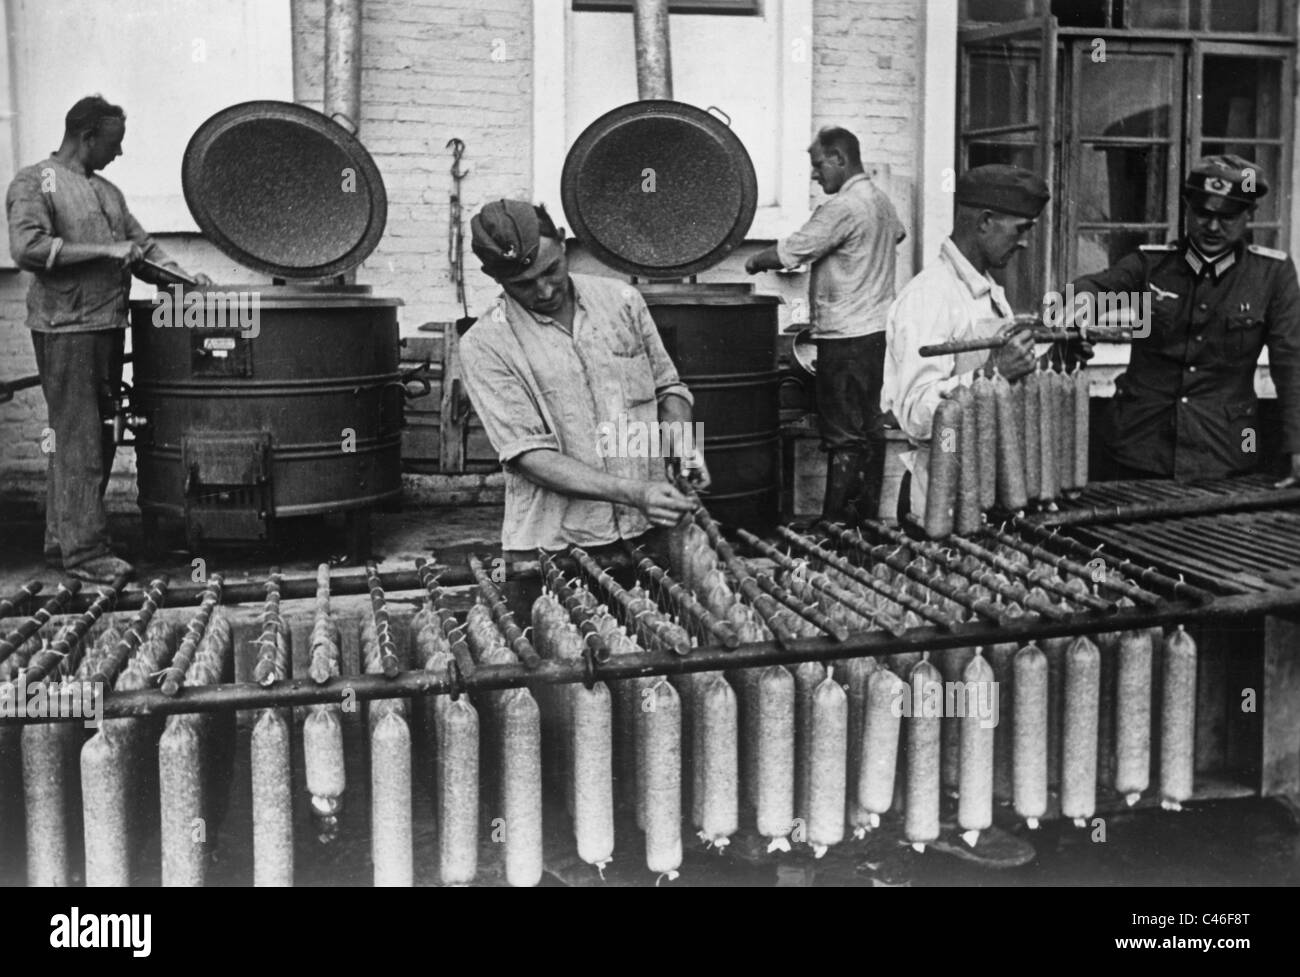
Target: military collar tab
1215 267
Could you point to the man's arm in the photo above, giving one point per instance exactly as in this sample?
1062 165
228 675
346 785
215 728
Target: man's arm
826 230
150 251
33 242
765 260
1283 341
517 430
662 504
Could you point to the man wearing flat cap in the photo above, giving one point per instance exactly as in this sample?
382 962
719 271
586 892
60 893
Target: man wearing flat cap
557 363
956 298
1186 408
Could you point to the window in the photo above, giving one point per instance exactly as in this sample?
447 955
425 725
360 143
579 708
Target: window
1114 117
744 7
1219 16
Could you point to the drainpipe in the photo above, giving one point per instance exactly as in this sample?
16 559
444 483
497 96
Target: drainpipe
343 62
343 71
654 65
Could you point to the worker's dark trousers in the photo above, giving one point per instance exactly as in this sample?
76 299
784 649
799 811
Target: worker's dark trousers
80 373
849 376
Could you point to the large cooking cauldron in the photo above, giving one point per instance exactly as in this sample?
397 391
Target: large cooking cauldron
263 402
663 190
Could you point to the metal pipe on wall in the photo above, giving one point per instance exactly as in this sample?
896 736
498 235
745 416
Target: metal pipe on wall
343 62
654 63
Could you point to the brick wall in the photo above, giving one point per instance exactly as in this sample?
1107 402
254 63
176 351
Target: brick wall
431 71
437 69
866 77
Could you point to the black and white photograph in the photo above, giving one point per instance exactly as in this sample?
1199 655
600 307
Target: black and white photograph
652 443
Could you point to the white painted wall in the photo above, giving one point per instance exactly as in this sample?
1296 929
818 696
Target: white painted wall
170 63
757 69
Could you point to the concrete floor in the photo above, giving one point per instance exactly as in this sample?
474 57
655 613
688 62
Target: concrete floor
1240 842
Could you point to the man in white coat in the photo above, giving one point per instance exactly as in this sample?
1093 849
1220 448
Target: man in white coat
956 298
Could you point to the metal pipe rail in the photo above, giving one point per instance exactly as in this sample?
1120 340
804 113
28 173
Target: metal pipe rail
304 691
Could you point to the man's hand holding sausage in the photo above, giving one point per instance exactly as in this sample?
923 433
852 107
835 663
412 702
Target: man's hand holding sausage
1015 358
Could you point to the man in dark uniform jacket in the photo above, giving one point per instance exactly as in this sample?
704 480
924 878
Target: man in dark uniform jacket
1186 408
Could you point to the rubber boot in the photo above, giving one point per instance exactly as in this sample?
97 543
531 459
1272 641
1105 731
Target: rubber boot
844 486
867 503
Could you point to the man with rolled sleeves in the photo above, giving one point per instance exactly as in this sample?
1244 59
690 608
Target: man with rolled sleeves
956 298
71 229
1186 408
850 241
558 362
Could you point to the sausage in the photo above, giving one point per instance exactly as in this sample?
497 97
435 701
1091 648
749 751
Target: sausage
975 789
1033 436
856 673
1054 649
322 747
774 787
663 781
1029 768
1064 421
566 643
807 677
945 474
986 437
921 817
1133 716
686 685
521 794
1010 484
952 664
969 517
491 738
1178 720
180 788
105 789
1001 658
1082 425
1022 438
625 706
1049 479
458 756
391 832
272 800
593 801
546 615
715 764
827 785
1108 645
1079 737
744 682
881 726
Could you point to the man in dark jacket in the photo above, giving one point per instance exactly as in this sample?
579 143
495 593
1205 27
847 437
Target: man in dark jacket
1186 408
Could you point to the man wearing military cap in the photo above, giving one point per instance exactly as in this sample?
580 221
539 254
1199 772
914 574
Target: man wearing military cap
1186 408
556 360
956 298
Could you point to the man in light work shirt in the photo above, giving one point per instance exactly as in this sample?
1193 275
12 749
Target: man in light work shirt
72 230
956 298
558 362
850 240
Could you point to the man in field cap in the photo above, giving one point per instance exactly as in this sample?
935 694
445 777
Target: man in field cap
956 298
556 361
1186 408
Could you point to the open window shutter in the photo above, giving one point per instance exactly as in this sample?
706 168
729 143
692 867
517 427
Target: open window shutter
1007 114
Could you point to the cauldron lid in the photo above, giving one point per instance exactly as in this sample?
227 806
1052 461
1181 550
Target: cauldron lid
659 189
284 190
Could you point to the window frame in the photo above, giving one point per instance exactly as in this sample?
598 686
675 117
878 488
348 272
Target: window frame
1072 142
